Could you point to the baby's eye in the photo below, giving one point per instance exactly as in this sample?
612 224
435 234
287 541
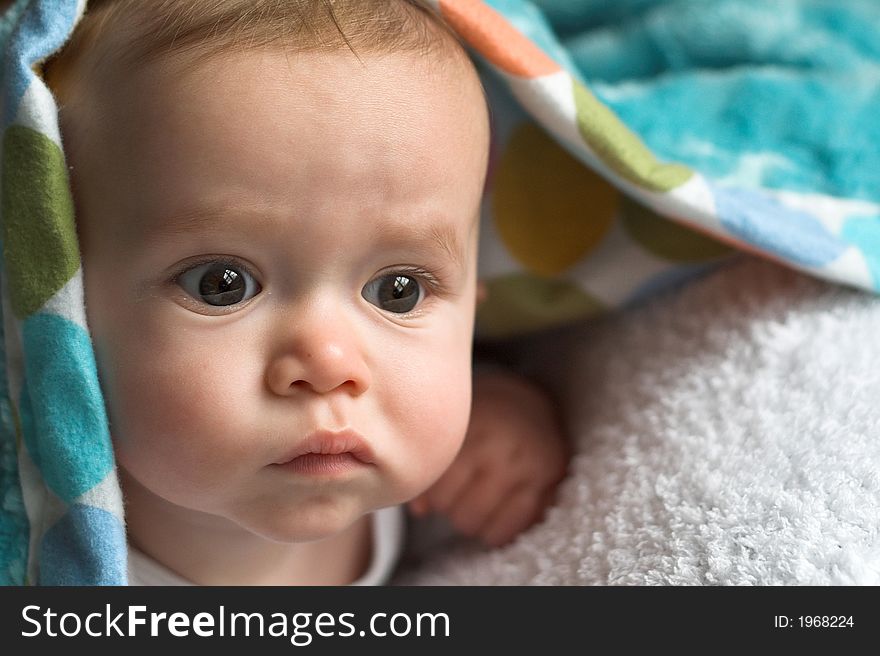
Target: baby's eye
219 283
394 292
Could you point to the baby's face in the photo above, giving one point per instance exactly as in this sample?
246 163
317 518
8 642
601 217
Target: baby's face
279 258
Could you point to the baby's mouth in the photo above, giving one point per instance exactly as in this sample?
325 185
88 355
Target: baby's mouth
328 452
316 464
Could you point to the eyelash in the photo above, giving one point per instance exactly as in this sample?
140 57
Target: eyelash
194 303
208 259
434 284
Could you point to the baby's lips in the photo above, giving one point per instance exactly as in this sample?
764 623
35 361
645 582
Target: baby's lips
326 442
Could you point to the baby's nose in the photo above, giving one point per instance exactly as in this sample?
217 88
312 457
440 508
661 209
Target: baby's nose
320 360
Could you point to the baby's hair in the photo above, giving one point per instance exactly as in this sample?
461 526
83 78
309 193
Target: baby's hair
136 31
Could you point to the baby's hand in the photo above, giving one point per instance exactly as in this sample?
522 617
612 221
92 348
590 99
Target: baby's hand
512 459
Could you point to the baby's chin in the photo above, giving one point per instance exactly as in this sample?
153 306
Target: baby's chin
295 525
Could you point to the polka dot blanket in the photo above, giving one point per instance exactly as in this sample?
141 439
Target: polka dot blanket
636 145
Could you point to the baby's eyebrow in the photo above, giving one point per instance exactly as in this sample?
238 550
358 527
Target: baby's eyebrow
433 233
448 239
439 233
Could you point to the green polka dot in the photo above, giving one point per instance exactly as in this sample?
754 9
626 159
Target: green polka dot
39 237
667 239
522 303
622 150
549 209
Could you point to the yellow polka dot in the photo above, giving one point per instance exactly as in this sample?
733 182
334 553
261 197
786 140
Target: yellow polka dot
667 239
549 208
523 303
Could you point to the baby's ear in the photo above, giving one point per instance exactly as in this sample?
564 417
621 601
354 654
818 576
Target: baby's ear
482 292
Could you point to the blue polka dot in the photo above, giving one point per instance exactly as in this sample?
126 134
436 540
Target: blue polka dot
43 29
790 234
62 410
863 232
13 518
85 547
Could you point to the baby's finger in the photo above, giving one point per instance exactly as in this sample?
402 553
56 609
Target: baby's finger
518 513
477 502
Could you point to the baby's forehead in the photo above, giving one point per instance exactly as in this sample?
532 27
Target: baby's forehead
172 114
208 150
118 38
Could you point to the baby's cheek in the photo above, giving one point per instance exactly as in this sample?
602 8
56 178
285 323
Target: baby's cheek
175 426
435 426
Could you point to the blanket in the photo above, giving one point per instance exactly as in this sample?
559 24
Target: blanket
725 433
635 145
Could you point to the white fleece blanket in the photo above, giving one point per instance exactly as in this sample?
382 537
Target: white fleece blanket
726 434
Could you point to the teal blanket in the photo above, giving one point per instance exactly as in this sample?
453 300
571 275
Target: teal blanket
636 143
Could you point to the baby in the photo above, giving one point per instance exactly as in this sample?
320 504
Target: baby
277 204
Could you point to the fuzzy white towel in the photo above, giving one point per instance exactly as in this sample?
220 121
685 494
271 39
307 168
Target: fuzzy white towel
726 434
